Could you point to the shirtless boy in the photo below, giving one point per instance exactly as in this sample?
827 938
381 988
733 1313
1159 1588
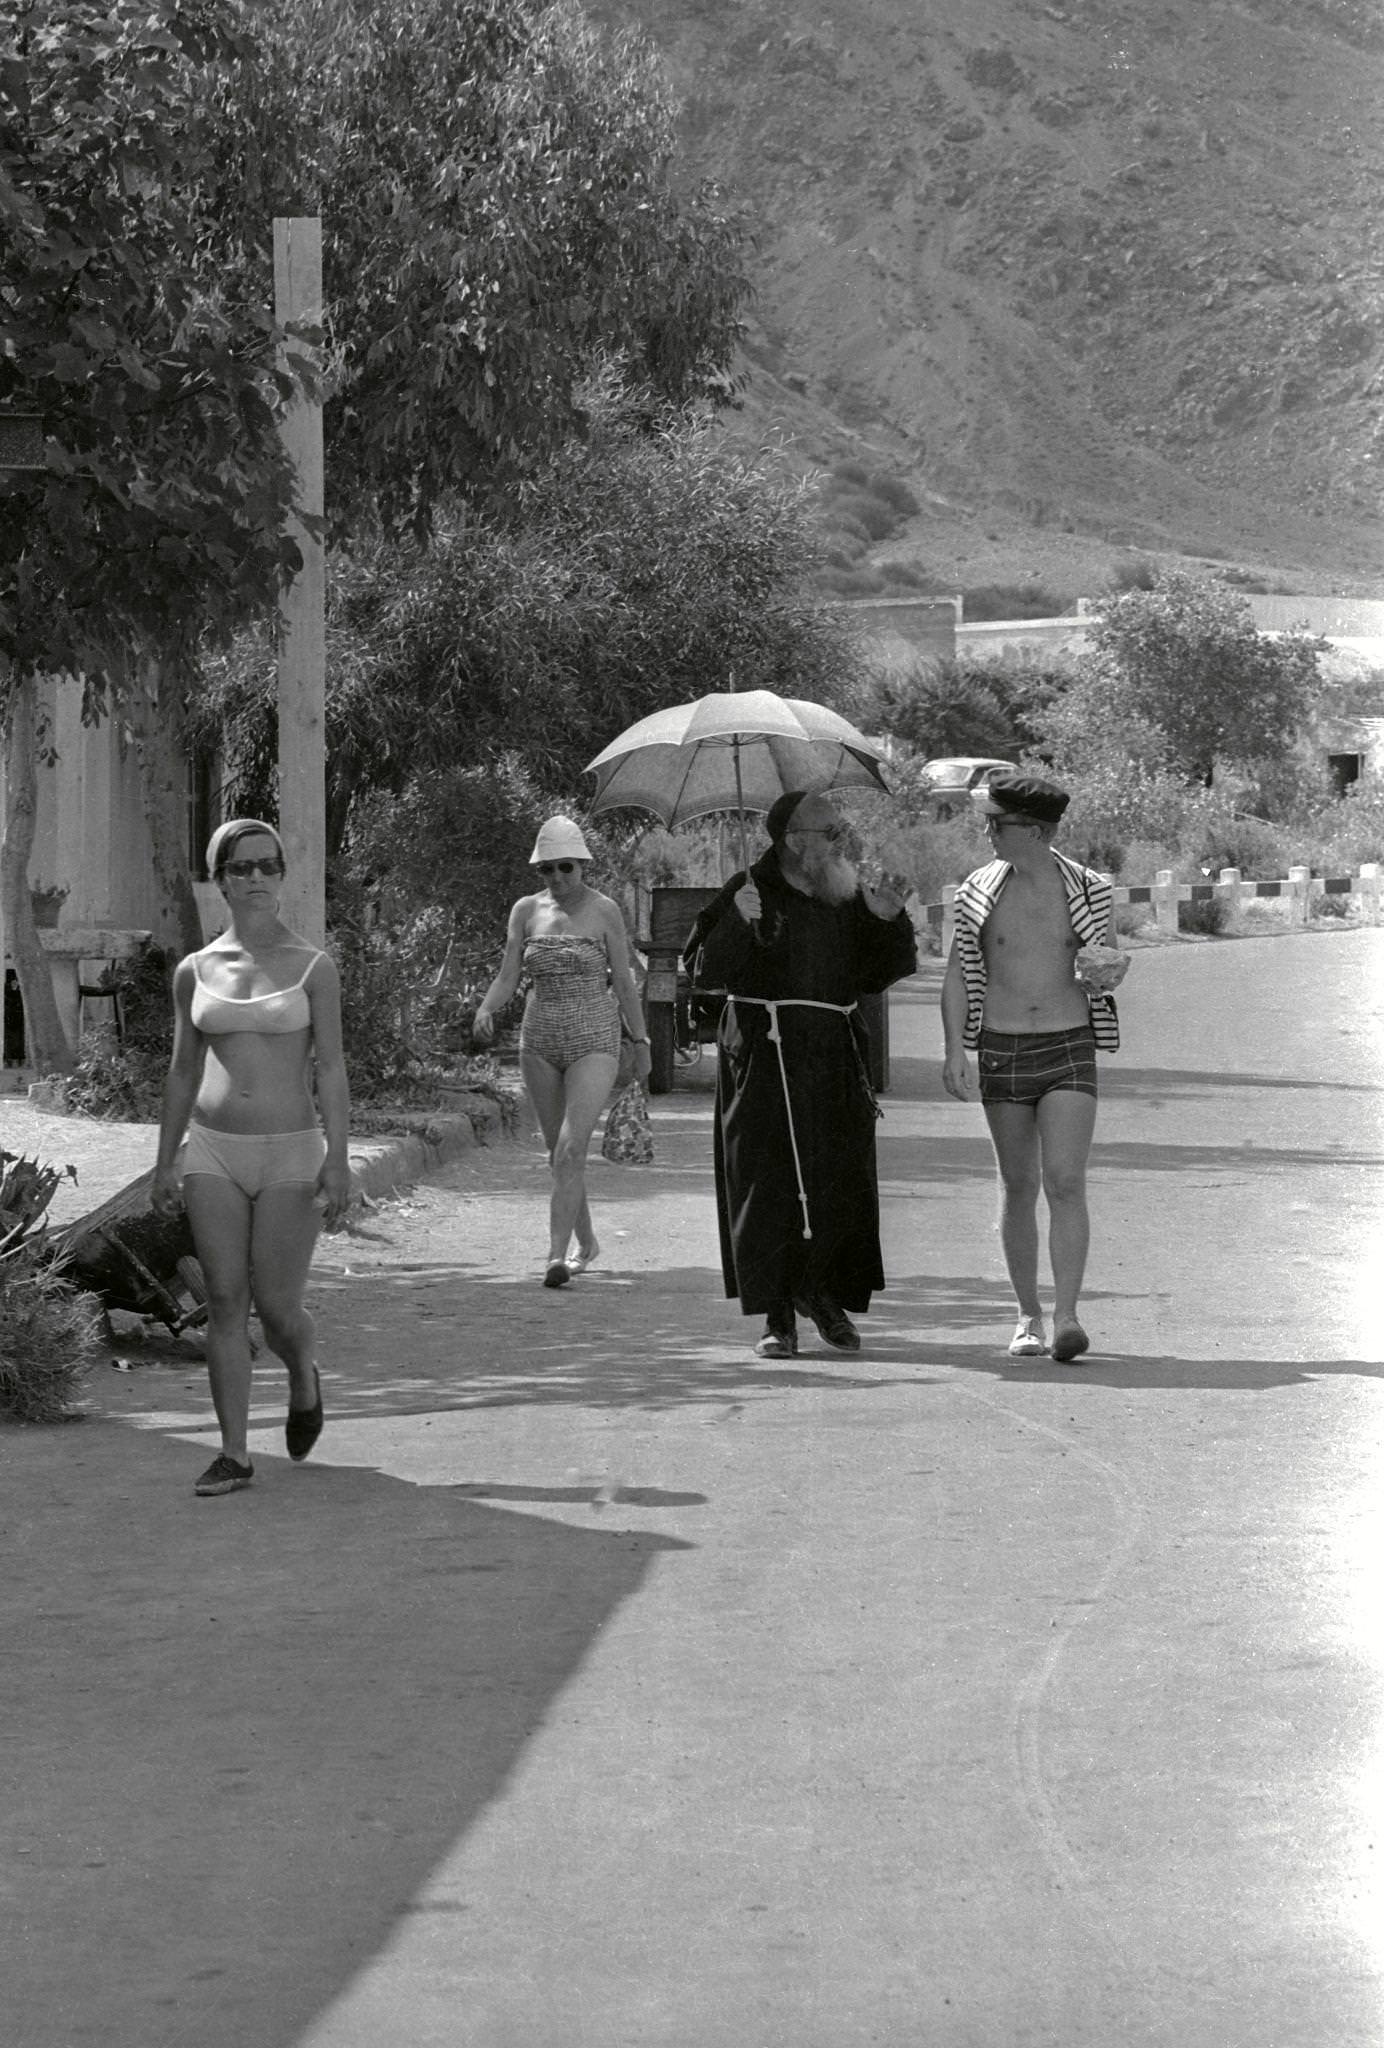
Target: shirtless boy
1011 993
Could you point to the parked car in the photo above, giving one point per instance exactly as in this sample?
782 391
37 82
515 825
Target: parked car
950 781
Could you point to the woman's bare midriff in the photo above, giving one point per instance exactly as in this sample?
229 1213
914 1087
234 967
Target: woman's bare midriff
253 1082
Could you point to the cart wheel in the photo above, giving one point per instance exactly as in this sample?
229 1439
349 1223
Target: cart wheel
190 1273
660 1048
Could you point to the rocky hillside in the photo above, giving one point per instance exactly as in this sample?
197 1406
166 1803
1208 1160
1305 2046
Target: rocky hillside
1091 276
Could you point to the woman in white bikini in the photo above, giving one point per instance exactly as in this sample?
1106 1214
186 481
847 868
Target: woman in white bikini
257 1019
571 941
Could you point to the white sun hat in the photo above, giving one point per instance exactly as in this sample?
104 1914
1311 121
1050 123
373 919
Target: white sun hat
559 839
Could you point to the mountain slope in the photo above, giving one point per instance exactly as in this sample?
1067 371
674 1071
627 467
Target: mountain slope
1092 269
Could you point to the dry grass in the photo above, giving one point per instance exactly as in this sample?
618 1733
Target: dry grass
49 1337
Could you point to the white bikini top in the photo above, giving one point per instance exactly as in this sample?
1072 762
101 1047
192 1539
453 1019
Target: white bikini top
282 1009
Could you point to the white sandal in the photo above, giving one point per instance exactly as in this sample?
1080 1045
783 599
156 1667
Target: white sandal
1028 1340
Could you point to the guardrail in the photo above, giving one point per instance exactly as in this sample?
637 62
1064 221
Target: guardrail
1164 894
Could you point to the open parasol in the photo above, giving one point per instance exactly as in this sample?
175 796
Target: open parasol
737 751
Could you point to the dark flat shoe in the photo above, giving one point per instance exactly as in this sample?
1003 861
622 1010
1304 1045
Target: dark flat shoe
557 1274
303 1426
223 1475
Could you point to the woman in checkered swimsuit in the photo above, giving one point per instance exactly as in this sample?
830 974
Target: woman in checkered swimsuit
571 1012
570 940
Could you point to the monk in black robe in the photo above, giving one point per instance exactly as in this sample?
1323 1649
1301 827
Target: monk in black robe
795 942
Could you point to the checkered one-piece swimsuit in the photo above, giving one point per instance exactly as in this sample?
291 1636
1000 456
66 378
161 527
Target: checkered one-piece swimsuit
571 1010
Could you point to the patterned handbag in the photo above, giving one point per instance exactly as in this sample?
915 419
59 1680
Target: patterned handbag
629 1133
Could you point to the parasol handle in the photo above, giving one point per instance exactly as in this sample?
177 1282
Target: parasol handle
740 803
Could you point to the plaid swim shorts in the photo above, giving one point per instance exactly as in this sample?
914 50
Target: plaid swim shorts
1024 1066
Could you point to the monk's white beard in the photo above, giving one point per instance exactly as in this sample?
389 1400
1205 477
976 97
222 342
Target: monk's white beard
834 880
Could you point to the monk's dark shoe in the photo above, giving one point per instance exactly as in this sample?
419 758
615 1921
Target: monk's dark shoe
834 1326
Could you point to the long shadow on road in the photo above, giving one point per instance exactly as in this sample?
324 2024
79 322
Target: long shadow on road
980 1302
240 1733
445 1337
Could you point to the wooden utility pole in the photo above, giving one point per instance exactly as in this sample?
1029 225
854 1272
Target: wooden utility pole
302 656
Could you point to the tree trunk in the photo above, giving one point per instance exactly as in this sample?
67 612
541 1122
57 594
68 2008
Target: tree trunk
154 726
48 1049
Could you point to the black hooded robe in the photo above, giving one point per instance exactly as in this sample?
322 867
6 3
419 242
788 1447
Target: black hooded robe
825 953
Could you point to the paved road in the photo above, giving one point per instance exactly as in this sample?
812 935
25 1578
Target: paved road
602 1685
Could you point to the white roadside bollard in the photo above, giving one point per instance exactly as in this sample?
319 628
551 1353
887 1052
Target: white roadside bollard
1229 892
1299 891
1369 889
1165 901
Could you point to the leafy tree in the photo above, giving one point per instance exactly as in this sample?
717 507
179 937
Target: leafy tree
159 514
1186 660
497 184
955 707
500 203
645 566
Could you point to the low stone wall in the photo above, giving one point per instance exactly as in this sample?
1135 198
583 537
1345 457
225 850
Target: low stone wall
1300 887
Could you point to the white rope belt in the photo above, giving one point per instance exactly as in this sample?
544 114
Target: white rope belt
773 1005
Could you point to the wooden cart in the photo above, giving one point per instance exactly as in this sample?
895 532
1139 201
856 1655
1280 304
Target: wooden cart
676 1030
135 1259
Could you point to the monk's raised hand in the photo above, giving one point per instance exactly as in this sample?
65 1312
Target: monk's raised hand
884 900
748 904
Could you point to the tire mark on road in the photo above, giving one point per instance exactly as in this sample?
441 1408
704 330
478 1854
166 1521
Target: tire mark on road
1026 1722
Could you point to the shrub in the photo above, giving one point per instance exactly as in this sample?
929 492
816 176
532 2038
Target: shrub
1351 831
49 1335
930 853
862 582
908 576
406 1002
1012 601
1332 908
951 707
1217 837
1263 913
1119 803
878 519
1209 918
1294 788
1139 574
895 492
845 527
125 1082
1144 860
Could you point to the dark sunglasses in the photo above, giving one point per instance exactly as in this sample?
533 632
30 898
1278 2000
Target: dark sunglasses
833 834
243 869
555 867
